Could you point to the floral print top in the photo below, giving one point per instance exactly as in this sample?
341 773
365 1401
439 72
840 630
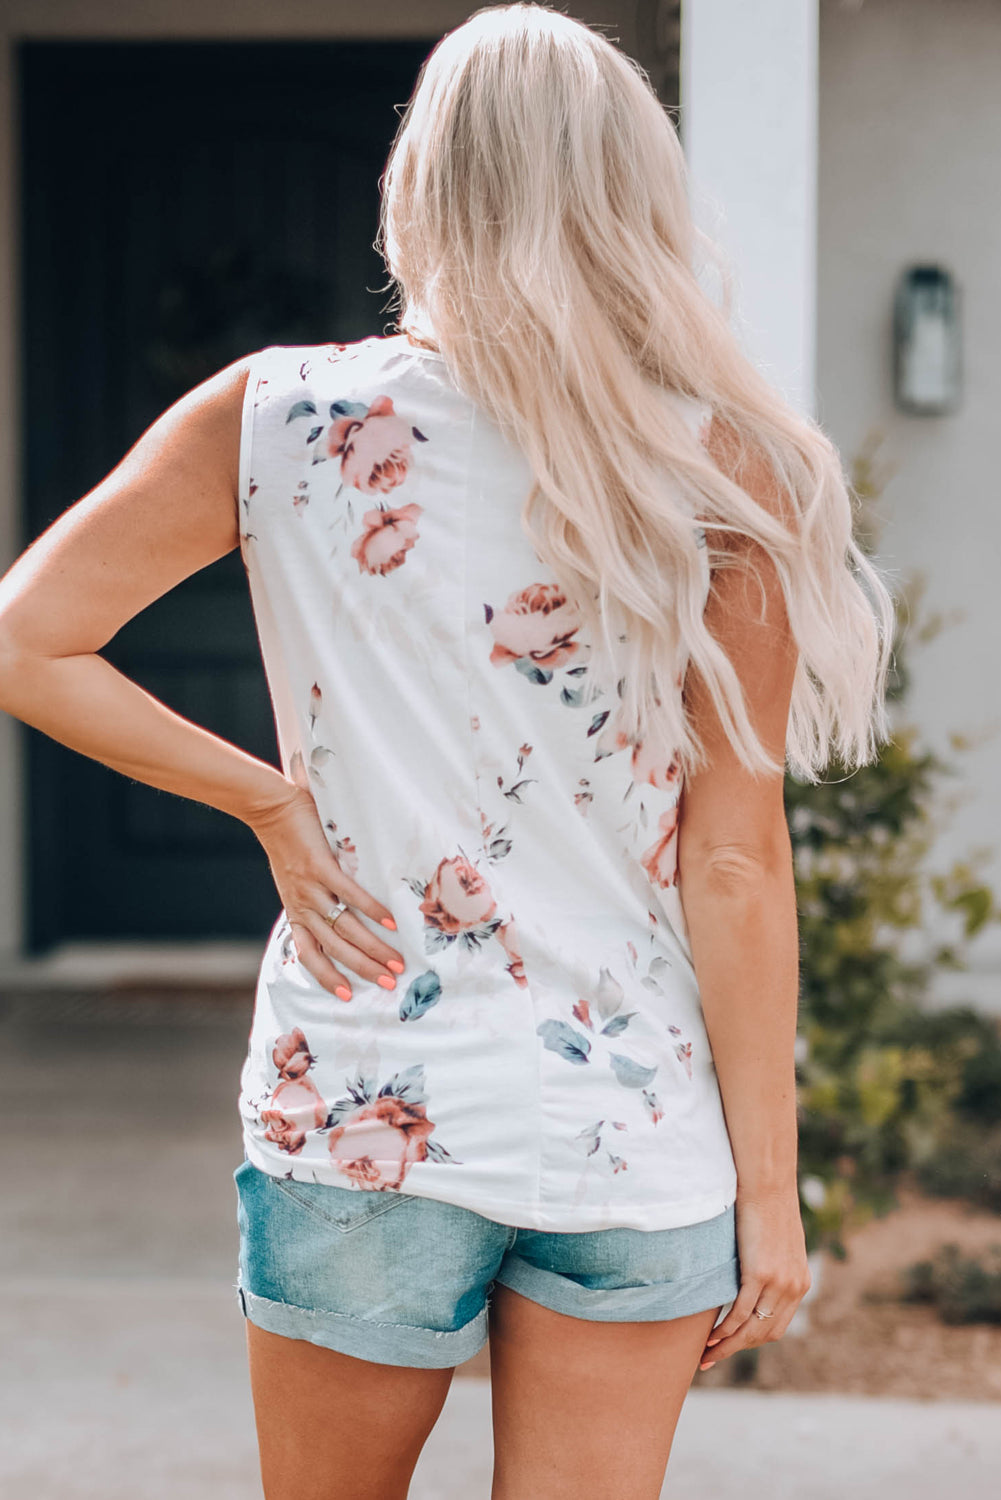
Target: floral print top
543 1059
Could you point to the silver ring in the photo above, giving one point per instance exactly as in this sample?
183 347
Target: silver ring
335 911
758 1314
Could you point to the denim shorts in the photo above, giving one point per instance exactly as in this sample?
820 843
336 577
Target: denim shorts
406 1280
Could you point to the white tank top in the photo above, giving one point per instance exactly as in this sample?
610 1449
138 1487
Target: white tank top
543 1059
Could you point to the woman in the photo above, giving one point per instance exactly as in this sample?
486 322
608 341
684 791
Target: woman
551 585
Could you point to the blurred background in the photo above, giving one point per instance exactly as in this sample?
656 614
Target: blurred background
185 181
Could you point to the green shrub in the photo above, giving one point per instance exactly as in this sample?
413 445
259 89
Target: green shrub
963 1289
884 1086
965 1163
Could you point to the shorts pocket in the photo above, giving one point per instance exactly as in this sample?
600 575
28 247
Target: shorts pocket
342 1208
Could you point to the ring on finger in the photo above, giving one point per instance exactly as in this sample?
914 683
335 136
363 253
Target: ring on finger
331 916
759 1314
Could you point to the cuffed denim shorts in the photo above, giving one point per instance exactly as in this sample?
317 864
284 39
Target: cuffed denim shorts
406 1280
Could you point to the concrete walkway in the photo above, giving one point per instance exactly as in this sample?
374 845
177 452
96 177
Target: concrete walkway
124 1369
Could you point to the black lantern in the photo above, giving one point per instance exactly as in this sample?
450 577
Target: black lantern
926 343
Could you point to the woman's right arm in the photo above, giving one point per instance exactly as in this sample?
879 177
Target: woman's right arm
736 883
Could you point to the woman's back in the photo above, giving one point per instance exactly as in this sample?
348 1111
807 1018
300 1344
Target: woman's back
543 1059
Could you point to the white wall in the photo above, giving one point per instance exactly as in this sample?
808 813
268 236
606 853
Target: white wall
749 126
910 169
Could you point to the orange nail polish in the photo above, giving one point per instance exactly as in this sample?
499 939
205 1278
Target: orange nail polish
395 965
387 981
343 992
388 922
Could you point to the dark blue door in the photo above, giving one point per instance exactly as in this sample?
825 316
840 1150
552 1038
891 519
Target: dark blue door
183 204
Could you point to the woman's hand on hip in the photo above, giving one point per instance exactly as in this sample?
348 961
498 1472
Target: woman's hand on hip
310 881
774 1273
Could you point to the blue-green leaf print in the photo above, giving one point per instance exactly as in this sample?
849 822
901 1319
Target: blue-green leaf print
407 1085
589 1139
300 409
422 993
436 1152
632 1074
561 1038
618 1024
526 666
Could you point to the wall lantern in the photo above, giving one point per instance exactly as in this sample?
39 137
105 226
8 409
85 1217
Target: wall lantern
926 341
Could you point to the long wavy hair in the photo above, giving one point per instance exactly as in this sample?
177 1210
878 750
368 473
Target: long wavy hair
535 218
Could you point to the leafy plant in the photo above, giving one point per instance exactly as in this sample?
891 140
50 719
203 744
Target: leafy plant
962 1288
883 1085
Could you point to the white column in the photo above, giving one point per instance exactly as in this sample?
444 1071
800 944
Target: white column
748 122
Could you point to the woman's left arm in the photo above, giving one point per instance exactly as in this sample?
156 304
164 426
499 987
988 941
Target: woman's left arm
169 508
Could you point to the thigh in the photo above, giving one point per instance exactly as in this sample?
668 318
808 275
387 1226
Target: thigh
359 1304
586 1407
331 1424
594 1340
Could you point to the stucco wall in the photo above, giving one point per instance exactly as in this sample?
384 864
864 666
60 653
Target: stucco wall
910 141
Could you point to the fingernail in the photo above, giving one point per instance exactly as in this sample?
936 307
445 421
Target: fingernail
395 965
343 992
708 1366
387 981
388 922
710 1342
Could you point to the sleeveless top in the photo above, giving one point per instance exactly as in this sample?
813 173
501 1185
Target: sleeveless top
543 1059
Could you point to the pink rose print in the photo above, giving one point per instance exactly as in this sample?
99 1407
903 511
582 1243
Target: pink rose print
458 905
660 861
649 763
376 1137
649 766
507 937
388 537
376 1144
535 626
295 1107
291 1054
457 898
374 449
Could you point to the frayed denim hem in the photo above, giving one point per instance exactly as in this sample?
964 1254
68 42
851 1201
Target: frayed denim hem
383 1343
645 1304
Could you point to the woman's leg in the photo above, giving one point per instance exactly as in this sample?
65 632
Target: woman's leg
586 1408
330 1425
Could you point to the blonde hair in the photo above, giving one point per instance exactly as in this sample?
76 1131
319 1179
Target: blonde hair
535 216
